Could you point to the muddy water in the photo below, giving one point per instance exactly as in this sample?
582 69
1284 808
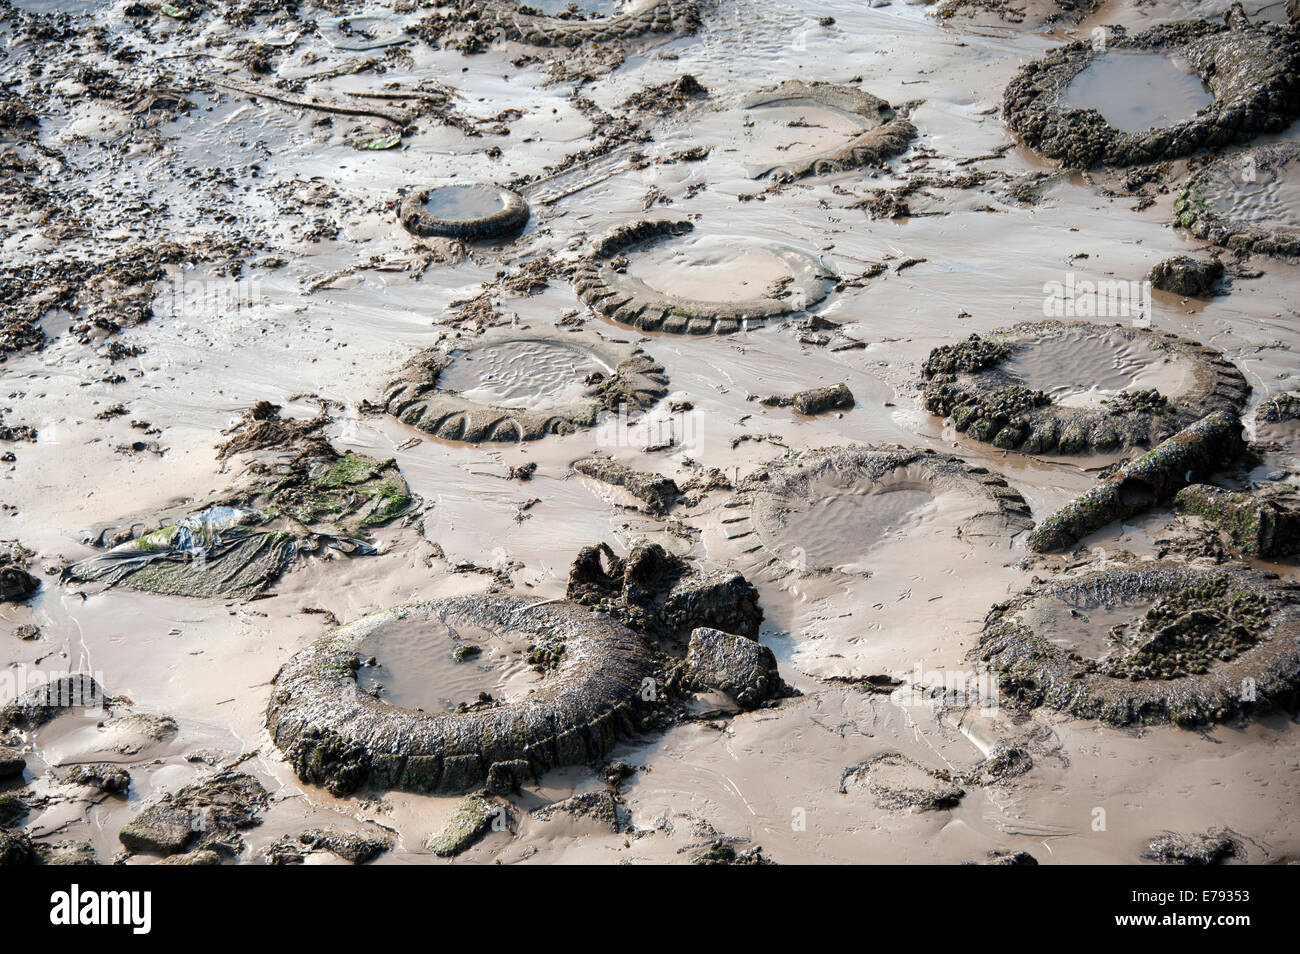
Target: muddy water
521 374
1137 91
462 203
1083 370
347 308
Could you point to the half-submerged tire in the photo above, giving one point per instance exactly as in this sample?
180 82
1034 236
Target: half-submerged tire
1214 644
340 737
1230 203
603 284
621 374
976 384
486 211
1254 71
657 16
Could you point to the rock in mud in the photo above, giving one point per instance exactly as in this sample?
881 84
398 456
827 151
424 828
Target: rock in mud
592 671
976 384
738 667
1215 205
603 282
1253 69
1171 643
16 848
1208 445
200 856
1011 858
836 397
12 764
351 846
658 493
1174 848
208 814
66 853
475 817
1186 276
655 592
1262 524
102 776
723 851
897 783
416 397
16 584
12 808
885 133
39 705
603 807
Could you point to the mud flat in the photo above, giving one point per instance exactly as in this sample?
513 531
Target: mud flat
1071 387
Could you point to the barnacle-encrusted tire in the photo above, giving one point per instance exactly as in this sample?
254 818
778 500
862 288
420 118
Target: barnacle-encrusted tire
413 397
887 135
969 382
756 518
339 737
1231 178
510 218
1225 642
630 301
660 16
1253 70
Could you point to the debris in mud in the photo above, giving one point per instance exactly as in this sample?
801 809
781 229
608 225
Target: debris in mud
101 776
1244 202
655 592
590 695
604 808
998 857
658 493
297 497
897 783
723 852
1149 644
474 818
206 815
16 848
883 132
1262 524
608 286
1211 848
734 665
1193 453
473 212
1187 276
516 385
835 397
353 847
989 386
1252 67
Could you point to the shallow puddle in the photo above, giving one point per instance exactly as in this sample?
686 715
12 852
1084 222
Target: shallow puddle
714 269
1137 91
1092 632
463 202
792 131
1083 370
599 8
1264 197
416 668
521 374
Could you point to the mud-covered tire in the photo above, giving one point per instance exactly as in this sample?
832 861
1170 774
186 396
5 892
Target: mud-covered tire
508 220
1195 213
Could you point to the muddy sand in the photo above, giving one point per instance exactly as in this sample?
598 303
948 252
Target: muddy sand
376 486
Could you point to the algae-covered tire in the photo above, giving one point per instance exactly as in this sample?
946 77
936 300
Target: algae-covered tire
885 133
623 375
1253 70
497 212
763 519
976 384
1231 203
1215 644
338 736
655 16
603 283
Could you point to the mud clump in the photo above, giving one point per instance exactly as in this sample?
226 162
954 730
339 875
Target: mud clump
16 848
1174 848
207 815
1263 524
1254 70
40 704
603 283
592 671
897 783
738 667
658 493
1195 452
654 592
976 383
474 818
16 584
1241 202
1186 276
835 397
1191 646
631 379
352 847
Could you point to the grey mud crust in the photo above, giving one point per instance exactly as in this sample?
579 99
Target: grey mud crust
633 379
757 520
342 738
1220 203
971 383
885 134
518 22
603 284
509 218
1214 644
1253 70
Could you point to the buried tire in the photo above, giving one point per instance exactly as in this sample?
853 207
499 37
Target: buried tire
471 211
1234 202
